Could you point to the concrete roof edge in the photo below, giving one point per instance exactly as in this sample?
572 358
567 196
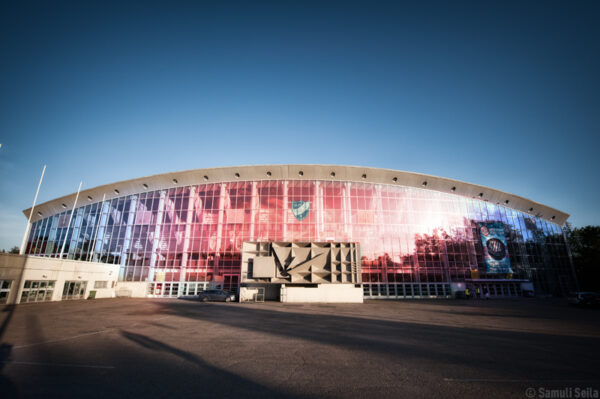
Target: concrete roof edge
313 172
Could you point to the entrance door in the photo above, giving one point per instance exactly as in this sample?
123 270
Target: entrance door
231 282
74 289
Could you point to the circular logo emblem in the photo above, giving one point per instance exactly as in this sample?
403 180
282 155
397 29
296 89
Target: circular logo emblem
485 231
496 249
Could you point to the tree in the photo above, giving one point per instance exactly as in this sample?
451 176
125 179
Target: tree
14 250
585 249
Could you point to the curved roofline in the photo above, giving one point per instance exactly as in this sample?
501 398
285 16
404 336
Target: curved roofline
292 172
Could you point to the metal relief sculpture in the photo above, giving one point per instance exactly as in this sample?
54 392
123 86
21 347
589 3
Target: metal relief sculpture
301 263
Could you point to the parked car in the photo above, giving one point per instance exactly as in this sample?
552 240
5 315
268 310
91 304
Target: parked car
216 295
591 299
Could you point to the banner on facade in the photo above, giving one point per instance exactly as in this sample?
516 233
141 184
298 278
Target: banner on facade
495 250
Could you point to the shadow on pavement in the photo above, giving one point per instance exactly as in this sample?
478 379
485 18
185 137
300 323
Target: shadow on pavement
494 353
7 386
214 382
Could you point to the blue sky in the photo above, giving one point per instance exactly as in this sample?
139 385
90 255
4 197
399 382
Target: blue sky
504 94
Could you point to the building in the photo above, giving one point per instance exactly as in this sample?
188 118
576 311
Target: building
175 234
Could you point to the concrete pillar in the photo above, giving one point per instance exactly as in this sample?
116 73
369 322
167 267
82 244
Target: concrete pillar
253 211
156 241
127 241
321 226
378 220
347 205
39 234
52 236
318 208
75 232
188 230
222 198
446 262
99 243
286 210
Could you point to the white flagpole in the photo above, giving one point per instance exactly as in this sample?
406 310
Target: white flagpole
24 242
91 255
70 218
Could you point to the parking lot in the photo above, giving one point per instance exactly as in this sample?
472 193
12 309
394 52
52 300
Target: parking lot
184 348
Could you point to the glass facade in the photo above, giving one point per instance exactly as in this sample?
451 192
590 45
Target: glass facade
407 235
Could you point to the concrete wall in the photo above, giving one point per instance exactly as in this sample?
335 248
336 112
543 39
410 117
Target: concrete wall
331 293
271 292
21 268
131 289
11 268
248 294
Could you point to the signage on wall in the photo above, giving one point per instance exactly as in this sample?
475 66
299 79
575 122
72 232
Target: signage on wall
300 209
495 249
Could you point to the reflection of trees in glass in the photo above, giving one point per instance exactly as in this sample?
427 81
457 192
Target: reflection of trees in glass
584 243
203 227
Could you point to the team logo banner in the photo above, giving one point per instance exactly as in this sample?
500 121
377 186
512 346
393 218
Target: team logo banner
300 209
495 250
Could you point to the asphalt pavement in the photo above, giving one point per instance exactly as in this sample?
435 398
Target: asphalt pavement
152 348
